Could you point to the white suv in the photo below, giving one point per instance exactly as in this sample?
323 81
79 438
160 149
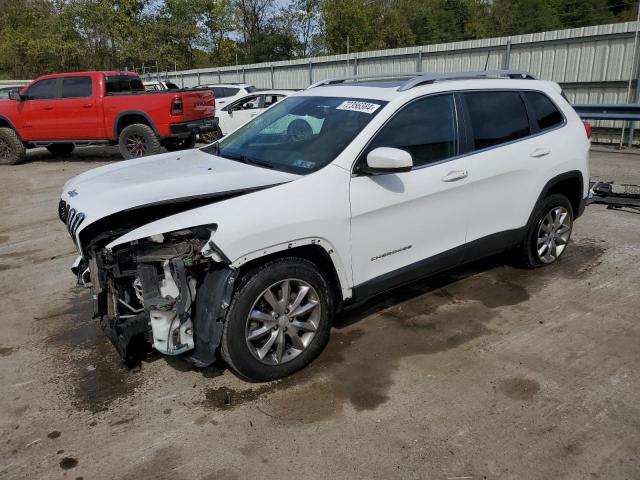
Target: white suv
245 249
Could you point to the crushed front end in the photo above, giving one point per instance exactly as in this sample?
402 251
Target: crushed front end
147 294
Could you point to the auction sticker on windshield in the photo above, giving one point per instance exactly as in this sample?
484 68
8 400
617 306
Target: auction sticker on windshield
355 106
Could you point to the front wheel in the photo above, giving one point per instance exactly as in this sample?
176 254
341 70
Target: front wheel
279 320
138 140
549 232
12 149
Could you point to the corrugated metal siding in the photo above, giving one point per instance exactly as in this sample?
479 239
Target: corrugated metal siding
594 64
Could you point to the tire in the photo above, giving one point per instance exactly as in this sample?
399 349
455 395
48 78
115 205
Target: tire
12 150
211 136
242 354
138 140
181 144
61 148
552 208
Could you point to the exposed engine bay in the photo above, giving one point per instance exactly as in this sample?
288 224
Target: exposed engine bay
147 293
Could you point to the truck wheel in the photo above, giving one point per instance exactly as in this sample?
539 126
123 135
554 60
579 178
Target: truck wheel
12 149
279 320
212 135
181 143
61 148
138 140
548 234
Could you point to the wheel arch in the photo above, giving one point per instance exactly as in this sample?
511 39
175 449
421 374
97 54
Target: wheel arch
571 185
131 117
6 123
316 250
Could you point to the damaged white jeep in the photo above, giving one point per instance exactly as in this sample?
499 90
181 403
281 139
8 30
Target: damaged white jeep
243 250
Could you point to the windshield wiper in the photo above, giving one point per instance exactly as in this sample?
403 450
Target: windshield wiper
247 160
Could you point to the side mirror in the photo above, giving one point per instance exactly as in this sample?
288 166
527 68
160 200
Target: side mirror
387 160
15 95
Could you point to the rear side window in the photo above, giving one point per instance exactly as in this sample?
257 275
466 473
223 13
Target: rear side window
42 90
230 92
425 128
544 111
124 84
497 117
219 92
76 87
250 89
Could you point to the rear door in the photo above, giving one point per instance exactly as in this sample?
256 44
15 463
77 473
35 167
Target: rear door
78 110
37 111
509 160
408 224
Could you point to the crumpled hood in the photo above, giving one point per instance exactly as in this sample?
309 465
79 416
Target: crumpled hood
160 179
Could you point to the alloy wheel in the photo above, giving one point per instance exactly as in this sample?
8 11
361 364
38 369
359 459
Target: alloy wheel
283 321
5 149
553 234
136 145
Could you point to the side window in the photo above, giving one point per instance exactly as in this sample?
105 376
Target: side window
76 87
544 111
42 90
247 103
426 128
219 92
230 92
497 117
271 99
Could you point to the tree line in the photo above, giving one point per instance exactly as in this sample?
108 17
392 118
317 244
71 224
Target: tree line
38 36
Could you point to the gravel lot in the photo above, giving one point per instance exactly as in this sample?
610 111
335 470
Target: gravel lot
488 372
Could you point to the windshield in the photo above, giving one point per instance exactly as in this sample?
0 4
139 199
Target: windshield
298 134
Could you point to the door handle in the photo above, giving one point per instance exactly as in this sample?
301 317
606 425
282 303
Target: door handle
540 152
455 176
47 108
87 105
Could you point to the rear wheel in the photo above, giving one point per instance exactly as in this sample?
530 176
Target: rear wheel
61 148
181 143
211 136
279 320
549 232
12 149
138 140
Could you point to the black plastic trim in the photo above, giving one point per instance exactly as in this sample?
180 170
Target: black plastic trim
469 252
133 112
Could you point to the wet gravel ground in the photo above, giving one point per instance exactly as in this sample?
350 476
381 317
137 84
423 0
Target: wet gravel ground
485 372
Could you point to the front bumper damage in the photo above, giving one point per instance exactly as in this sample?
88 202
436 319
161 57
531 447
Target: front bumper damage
170 293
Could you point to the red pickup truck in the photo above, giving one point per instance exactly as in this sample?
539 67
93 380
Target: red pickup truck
66 110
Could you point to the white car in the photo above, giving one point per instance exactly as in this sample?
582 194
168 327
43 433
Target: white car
240 111
243 250
226 93
159 86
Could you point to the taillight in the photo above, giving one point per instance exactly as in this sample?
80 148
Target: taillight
176 106
587 128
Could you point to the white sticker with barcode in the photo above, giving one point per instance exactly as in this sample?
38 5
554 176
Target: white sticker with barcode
355 106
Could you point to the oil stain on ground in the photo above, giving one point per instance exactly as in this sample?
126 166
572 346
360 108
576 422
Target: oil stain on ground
519 388
427 317
92 374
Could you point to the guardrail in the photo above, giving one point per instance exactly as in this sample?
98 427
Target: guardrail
621 111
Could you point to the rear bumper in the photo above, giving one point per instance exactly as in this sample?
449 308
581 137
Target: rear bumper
193 127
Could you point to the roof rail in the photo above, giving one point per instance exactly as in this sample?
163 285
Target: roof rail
418 78
375 76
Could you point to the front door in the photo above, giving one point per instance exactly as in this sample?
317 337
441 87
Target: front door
408 224
241 111
37 110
